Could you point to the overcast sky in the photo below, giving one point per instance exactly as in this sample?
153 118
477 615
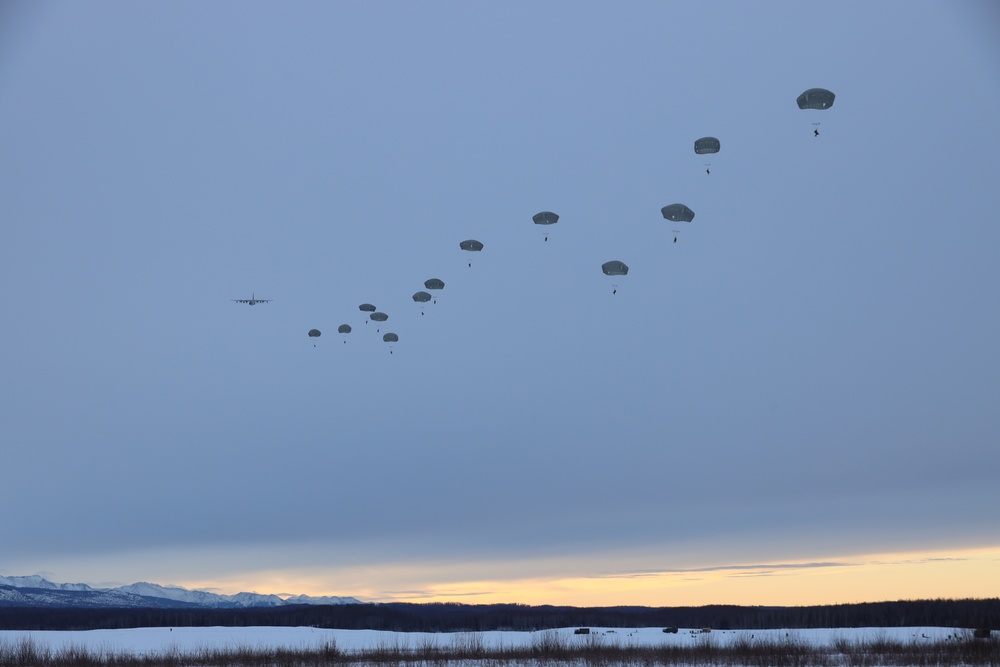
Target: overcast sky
806 380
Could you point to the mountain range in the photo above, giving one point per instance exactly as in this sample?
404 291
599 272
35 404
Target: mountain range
36 591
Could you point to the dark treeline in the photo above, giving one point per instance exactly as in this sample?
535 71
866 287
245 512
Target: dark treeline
449 617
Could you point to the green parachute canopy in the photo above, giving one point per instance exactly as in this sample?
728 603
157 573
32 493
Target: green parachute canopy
615 268
434 283
379 317
471 245
366 308
545 218
816 98
421 297
707 145
315 333
677 213
344 328
390 338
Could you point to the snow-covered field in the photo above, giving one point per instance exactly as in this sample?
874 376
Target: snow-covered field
190 640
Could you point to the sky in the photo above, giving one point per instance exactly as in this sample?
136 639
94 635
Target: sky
794 403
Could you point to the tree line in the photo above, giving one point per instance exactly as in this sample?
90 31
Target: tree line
454 617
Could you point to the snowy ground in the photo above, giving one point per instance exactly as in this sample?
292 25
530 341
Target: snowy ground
186 640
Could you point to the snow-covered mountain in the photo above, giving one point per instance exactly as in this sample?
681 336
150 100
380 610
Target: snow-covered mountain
35 581
36 591
322 599
200 598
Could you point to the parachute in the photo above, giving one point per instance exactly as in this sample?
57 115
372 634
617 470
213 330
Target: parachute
615 268
390 338
707 145
378 317
315 333
816 98
545 218
472 245
677 213
344 329
422 298
434 283
366 308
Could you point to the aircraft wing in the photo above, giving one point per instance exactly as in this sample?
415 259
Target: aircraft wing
252 300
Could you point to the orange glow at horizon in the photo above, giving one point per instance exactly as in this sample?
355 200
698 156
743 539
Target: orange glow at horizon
868 578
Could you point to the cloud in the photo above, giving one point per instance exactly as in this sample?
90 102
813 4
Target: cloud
745 570
427 594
